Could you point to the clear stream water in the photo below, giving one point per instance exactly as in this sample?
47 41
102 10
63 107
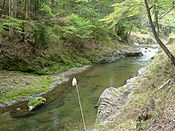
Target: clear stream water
62 112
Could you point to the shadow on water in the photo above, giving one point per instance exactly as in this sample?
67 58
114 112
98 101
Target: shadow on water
62 112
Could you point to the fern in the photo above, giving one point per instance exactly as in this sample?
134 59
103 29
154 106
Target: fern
77 28
46 9
13 23
37 101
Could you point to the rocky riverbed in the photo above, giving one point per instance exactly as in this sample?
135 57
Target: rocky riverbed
112 100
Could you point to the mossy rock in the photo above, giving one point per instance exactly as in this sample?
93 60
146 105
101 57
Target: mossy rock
36 103
20 112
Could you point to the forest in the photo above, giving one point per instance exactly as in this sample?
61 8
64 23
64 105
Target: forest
104 43
46 37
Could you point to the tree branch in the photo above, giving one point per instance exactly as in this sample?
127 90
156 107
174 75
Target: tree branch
167 12
151 7
165 49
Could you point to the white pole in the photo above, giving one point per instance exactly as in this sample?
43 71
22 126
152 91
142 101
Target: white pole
74 83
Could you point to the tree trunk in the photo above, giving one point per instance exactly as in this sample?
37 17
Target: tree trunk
156 14
165 49
3 8
10 15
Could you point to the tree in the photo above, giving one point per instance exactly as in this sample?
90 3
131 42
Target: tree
160 8
126 15
165 49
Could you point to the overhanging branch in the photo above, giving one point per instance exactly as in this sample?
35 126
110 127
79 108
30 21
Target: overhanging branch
166 12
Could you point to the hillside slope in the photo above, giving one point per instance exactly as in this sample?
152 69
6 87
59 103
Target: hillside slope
151 105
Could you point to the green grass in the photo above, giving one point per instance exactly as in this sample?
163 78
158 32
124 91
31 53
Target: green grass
19 85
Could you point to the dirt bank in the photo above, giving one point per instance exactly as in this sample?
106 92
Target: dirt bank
150 101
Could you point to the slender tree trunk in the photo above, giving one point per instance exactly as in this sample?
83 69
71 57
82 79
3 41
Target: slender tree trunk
15 8
3 8
156 13
165 49
10 15
26 10
9 7
25 16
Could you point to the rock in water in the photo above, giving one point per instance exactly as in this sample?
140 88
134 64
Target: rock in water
20 112
109 104
31 108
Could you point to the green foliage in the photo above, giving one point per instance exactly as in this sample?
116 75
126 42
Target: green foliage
88 12
126 15
17 80
17 63
141 29
37 101
39 5
66 25
11 23
83 28
53 68
46 9
82 0
101 33
41 36
124 11
97 125
75 28
162 12
168 19
79 27
62 62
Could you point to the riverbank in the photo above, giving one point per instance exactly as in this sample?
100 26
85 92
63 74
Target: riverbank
62 101
18 86
146 102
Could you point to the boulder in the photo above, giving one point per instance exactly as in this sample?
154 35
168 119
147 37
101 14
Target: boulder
20 112
109 57
109 104
133 53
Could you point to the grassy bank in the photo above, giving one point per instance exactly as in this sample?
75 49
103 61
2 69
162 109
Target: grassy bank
15 85
18 85
151 107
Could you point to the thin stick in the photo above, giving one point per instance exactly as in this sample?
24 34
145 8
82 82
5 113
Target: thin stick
78 94
164 85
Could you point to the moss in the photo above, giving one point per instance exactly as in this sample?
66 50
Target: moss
17 85
57 57
42 65
63 61
16 63
53 69
36 102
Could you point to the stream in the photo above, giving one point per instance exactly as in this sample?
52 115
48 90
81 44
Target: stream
62 113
